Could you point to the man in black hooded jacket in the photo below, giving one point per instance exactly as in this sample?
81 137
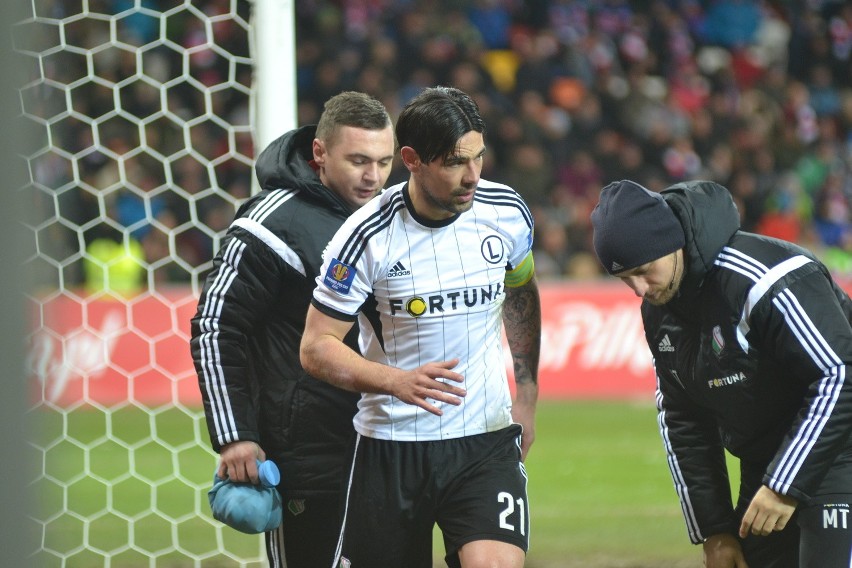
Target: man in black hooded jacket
258 400
752 347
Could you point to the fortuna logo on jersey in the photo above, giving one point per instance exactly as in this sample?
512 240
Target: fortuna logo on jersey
397 270
666 345
416 306
726 381
339 276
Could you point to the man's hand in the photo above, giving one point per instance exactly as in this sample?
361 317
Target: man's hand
420 384
523 412
723 551
238 462
768 511
524 415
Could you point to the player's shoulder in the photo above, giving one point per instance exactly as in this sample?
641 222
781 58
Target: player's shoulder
262 214
380 207
498 194
494 187
268 207
285 214
390 194
502 197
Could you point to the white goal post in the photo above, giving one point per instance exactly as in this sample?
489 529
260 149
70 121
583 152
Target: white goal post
147 115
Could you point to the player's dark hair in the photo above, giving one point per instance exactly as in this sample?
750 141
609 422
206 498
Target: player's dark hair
434 121
351 108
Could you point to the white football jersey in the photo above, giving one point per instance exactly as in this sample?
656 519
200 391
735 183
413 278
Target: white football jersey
426 291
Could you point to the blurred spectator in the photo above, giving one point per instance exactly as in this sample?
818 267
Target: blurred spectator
530 172
114 267
731 23
754 95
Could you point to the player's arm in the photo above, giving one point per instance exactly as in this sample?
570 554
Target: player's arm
805 330
522 321
325 356
696 459
233 305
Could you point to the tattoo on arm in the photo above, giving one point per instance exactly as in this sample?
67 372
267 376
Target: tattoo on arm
522 319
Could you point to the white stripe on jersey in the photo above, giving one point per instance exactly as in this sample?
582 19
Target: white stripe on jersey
812 342
681 487
820 410
432 293
270 203
764 278
277 245
211 364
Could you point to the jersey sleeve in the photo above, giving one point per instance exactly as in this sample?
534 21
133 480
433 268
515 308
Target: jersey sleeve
233 303
522 273
519 228
344 281
804 324
520 267
696 461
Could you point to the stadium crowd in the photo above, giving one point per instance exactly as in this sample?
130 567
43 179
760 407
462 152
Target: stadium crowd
756 95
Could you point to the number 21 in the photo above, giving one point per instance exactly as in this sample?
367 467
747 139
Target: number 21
506 498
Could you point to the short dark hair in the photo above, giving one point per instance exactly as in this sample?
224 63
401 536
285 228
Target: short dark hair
434 121
351 108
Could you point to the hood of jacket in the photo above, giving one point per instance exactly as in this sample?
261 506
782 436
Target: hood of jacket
286 164
709 218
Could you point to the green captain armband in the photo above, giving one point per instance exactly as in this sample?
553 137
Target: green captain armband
522 273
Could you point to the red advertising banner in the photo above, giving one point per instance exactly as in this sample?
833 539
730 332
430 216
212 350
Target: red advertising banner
106 351
592 343
109 351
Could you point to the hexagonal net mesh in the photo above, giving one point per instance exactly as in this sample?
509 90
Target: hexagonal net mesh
143 111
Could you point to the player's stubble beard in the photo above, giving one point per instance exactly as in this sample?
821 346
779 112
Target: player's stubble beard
449 205
671 289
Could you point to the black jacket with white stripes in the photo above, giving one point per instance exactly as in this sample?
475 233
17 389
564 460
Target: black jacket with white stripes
250 320
753 355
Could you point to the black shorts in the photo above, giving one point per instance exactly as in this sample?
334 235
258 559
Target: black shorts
308 534
474 488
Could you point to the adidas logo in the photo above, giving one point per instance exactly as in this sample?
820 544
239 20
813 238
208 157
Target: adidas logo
616 267
398 269
666 345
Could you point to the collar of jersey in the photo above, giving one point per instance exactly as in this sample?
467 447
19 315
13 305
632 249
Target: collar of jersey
432 223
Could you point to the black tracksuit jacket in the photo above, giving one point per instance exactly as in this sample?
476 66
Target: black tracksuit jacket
250 320
753 355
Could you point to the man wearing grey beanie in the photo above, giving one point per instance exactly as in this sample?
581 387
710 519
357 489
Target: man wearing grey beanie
752 347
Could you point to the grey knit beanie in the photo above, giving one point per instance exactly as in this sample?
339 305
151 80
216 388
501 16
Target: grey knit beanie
633 226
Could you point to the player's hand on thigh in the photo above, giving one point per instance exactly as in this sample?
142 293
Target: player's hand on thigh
723 551
768 511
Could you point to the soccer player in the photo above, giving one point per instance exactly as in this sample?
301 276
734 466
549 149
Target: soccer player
430 269
258 401
752 346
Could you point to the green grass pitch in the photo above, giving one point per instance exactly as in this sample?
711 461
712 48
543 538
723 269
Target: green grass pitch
600 493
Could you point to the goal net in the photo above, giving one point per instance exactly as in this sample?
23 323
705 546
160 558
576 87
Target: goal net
143 113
